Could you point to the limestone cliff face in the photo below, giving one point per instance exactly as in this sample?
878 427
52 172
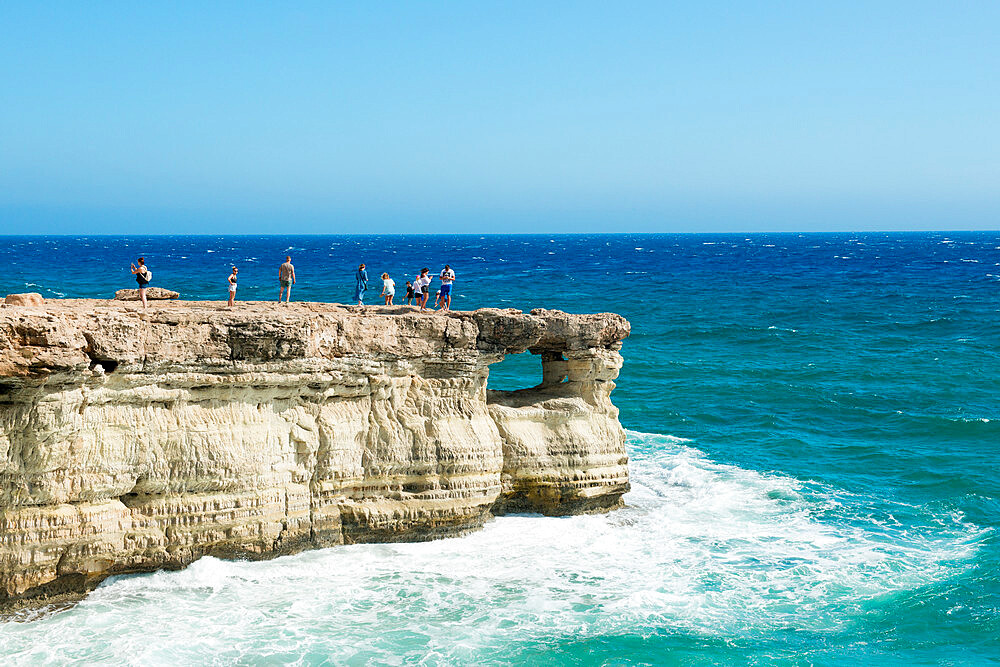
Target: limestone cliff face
132 442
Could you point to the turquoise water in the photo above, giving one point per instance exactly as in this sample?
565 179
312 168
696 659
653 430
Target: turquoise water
814 438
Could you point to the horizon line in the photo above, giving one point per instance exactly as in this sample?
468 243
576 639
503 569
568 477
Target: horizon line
483 234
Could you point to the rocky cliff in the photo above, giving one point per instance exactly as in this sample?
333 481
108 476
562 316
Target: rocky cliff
135 441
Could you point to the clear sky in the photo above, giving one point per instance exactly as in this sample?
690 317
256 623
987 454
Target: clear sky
331 117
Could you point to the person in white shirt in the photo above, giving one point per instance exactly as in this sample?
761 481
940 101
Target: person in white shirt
388 288
444 295
421 288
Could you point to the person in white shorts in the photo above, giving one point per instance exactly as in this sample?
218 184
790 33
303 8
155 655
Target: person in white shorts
388 288
232 287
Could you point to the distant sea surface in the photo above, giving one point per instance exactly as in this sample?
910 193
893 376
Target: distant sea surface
814 433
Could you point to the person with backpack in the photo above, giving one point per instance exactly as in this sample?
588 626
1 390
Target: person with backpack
142 276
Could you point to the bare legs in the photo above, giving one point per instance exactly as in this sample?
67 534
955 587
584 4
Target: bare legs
142 297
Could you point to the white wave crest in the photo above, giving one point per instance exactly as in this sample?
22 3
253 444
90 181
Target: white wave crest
702 547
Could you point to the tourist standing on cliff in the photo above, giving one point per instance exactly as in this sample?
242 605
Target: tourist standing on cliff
232 286
142 276
286 278
421 288
444 295
362 286
409 293
388 288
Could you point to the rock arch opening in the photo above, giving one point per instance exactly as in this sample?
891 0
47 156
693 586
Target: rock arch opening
515 371
529 370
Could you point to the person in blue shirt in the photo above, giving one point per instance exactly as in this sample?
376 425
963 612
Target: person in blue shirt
359 292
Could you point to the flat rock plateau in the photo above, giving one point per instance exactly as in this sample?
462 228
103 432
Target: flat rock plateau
132 441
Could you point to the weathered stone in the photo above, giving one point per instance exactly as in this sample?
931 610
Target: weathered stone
152 294
131 441
26 299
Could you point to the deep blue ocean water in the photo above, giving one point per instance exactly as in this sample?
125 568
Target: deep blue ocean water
815 440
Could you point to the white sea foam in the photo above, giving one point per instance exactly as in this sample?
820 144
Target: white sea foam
703 548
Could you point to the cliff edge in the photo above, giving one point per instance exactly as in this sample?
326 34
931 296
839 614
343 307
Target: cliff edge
136 441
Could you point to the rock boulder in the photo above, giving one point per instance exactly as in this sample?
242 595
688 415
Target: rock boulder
26 299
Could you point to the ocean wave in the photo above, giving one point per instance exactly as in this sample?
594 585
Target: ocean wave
705 548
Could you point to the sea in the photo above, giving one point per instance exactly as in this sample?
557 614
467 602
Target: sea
814 439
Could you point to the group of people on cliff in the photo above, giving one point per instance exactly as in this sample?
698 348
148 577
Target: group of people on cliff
417 290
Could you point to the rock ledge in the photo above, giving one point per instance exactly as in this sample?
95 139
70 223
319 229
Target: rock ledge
152 294
132 441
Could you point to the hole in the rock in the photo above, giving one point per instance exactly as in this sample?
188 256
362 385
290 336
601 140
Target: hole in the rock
132 498
107 365
516 371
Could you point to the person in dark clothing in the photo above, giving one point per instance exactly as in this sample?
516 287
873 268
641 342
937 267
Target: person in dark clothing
362 286
142 276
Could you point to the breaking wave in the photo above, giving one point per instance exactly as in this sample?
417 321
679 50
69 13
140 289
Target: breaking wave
703 549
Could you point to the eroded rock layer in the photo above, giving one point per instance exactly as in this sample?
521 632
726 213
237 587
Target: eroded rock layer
132 442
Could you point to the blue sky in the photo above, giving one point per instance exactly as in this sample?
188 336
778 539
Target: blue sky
498 117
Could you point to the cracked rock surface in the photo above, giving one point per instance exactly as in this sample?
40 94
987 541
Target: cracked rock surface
134 441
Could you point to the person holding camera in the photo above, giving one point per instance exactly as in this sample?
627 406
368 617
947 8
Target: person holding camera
142 276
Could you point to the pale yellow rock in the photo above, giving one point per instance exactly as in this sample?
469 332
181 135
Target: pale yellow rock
133 440
25 299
